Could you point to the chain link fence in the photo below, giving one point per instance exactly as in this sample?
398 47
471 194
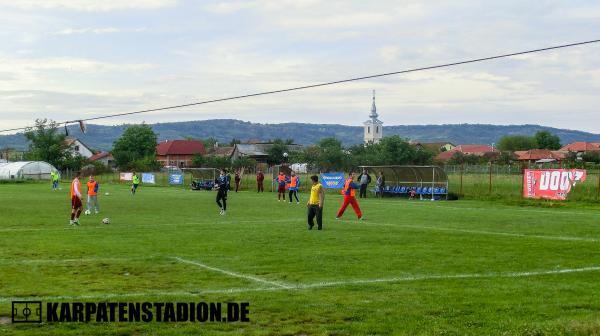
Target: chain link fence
466 181
506 182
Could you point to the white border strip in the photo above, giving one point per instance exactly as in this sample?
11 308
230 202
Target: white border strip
428 203
417 227
234 274
279 287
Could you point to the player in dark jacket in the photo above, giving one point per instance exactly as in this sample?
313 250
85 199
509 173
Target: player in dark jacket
222 185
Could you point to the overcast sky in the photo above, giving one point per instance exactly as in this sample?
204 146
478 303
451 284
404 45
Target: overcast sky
71 59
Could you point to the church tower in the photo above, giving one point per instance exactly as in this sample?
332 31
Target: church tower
373 126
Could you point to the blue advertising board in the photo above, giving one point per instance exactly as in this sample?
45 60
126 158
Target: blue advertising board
176 179
332 180
148 178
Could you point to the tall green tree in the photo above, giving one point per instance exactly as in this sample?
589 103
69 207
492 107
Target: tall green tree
547 140
47 143
209 142
327 155
392 150
243 162
219 162
516 143
276 152
136 148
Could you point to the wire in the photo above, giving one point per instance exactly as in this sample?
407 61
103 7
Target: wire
323 84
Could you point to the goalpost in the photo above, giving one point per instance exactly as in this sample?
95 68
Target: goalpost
202 178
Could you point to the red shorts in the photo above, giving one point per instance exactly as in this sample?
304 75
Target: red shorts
76 202
281 189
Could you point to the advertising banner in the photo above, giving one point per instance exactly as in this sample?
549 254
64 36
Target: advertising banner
148 178
332 180
552 184
175 179
126 176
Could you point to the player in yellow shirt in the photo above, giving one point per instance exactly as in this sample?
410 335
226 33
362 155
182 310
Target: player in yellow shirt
136 182
315 203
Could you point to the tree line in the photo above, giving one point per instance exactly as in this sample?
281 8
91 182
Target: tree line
135 149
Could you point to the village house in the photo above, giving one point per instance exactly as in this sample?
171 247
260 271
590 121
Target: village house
105 158
78 147
539 156
179 153
478 150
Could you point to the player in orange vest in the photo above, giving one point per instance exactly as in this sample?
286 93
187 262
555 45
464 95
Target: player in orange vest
76 205
349 198
294 185
92 195
281 180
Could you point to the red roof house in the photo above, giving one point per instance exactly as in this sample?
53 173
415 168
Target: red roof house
479 150
582 147
104 157
178 153
533 155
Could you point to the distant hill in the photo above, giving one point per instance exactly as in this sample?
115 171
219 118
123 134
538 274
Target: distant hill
102 137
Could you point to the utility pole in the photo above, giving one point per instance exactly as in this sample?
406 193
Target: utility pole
490 189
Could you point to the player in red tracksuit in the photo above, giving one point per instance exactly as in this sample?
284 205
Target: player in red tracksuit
349 198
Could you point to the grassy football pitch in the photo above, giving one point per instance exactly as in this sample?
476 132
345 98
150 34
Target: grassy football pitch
412 267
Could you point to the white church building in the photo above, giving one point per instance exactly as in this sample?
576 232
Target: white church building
373 127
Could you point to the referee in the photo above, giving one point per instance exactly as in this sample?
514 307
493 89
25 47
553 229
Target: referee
315 203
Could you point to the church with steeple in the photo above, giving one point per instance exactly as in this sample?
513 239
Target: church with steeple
373 126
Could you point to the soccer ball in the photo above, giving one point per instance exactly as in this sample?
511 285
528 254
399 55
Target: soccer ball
87 212
106 194
106 221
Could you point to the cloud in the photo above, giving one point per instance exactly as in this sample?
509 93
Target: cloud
88 5
192 51
104 30
228 7
67 64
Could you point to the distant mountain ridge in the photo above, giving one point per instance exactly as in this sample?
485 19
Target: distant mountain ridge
101 137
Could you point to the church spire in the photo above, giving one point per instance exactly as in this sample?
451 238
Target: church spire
373 114
373 128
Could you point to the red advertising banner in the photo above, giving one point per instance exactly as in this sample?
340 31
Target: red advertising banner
551 183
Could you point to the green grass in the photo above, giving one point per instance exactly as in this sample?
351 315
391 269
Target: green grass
412 267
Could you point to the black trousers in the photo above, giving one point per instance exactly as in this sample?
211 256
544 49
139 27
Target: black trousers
222 196
295 193
363 190
315 211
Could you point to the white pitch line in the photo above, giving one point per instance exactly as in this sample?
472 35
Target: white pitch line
566 238
316 285
449 277
425 203
133 227
138 294
234 274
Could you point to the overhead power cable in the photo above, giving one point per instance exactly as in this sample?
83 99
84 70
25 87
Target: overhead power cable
445 65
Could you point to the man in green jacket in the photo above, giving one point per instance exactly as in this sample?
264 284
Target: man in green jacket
54 176
136 182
